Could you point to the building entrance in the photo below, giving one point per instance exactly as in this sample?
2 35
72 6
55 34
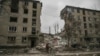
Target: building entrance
33 42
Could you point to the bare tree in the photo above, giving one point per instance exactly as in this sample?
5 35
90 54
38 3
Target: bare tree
71 27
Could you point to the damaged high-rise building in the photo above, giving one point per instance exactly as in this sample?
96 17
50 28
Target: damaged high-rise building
20 23
87 28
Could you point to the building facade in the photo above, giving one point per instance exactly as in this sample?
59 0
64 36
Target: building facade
88 28
20 22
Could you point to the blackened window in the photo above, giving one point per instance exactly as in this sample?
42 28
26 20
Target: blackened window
25 11
33 33
33 20
35 5
24 39
34 13
13 19
14 6
25 20
11 39
24 29
84 19
13 10
12 29
14 3
85 25
83 12
86 33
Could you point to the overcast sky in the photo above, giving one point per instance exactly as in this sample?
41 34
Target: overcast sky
51 11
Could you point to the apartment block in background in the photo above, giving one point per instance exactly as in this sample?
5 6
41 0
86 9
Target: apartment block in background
88 30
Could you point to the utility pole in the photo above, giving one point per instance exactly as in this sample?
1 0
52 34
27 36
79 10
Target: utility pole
55 28
49 30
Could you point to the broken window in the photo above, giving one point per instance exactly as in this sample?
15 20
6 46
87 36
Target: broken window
33 22
85 25
84 19
14 6
13 10
13 19
25 11
12 29
24 39
24 29
34 13
11 39
35 5
83 12
33 30
14 3
25 20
